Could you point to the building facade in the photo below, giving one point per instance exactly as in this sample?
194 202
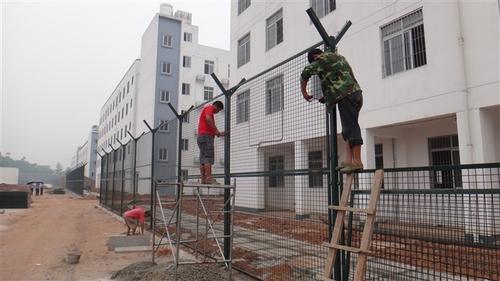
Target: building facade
429 79
86 154
174 68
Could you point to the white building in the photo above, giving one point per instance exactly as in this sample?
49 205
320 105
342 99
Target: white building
9 175
86 154
173 68
429 71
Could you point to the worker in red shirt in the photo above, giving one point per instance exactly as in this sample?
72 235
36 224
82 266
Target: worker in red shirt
206 133
134 218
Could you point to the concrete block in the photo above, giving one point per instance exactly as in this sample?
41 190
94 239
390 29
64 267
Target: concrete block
132 249
128 241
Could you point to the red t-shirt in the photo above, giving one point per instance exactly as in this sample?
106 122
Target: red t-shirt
203 127
137 213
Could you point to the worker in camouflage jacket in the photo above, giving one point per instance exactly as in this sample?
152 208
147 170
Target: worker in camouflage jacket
339 87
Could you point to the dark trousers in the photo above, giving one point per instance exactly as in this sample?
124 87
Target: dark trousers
349 108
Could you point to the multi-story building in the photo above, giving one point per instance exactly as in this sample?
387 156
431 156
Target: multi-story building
429 73
86 154
173 68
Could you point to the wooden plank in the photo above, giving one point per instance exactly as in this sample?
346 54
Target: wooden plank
349 209
346 248
366 238
338 227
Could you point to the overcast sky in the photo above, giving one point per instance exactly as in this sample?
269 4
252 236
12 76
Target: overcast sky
61 61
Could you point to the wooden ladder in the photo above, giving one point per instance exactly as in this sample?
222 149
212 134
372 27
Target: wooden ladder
364 250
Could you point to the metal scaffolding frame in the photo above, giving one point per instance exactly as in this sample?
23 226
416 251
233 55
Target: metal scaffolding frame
206 219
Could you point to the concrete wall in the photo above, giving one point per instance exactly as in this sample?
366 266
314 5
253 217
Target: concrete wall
9 175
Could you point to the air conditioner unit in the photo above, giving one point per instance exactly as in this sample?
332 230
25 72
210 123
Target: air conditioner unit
200 77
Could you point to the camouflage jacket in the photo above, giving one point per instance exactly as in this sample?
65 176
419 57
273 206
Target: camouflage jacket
335 73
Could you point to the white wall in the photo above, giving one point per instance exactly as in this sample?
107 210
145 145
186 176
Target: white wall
9 175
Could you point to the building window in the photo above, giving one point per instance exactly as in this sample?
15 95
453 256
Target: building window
209 67
184 175
164 96
243 5
322 7
276 165
185 88
164 125
128 88
188 37
315 169
166 68
185 119
443 151
125 130
379 156
126 109
244 50
186 61
163 154
184 144
131 103
132 81
274 29
243 107
403 44
208 93
274 95
167 41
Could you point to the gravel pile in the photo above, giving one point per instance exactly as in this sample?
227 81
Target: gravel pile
147 271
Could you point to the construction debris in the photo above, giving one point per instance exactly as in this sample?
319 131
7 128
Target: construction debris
148 271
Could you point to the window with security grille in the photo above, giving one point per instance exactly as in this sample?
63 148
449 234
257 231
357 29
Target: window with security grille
243 107
244 50
164 126
184 144
274 94
164 96
274 29
208 93
322 7
167 41
188 37
184 174
243 5
379 156
403 44
185 119
443 152
186 61
276 165
185 88
163 154
209 67
166 68
315 164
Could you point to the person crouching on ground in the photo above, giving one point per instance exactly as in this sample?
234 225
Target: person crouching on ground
206 133
134 218
339 87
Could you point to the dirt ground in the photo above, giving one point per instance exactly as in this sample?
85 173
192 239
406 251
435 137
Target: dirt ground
34 241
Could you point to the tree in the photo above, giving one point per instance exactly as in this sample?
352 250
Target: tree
59 168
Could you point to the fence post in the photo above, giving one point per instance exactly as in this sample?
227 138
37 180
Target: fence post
135 164
180 118
153 132
114 172
227 161
123 173
100 184
107 175
331 123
